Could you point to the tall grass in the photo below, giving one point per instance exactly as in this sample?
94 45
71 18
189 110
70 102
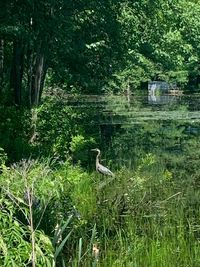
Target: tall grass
146 217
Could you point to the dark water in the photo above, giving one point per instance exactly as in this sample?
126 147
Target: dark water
129 128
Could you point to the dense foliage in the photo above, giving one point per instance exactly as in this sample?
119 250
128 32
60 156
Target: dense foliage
147 216
95 46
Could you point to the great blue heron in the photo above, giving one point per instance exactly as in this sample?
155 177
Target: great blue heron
100 168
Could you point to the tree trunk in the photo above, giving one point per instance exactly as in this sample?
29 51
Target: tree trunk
37 79
36 72
36 61
29 75
45 68
17 70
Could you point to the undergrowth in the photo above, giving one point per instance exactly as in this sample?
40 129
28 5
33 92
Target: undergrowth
55 214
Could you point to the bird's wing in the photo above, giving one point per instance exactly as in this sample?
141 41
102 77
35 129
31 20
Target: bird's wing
104 170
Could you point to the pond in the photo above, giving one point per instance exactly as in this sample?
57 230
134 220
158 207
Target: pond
129 128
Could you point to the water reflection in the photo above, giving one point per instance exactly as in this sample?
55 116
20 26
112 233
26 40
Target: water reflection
161 99
128 130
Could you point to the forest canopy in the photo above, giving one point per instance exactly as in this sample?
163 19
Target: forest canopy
96 46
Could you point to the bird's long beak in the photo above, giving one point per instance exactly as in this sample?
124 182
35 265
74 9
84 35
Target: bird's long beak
93 149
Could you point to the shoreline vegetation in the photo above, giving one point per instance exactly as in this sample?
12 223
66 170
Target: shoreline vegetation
144 217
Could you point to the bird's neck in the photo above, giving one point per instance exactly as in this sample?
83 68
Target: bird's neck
97 159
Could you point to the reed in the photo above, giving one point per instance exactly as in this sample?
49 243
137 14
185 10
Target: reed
143 217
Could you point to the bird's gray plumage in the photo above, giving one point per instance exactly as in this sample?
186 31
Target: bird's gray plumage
99 167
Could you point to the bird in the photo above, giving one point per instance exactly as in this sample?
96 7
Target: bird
100 168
